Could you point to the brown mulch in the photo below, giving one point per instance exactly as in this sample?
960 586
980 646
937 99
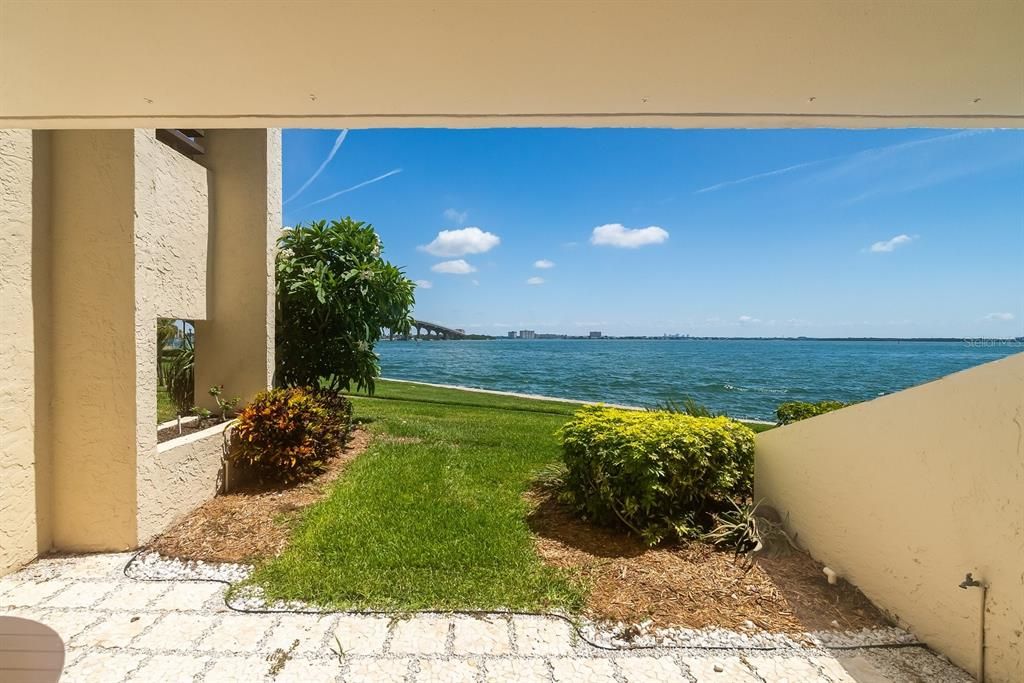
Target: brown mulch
693 585
191 427
254 522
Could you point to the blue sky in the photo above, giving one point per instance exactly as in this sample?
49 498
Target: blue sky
706 232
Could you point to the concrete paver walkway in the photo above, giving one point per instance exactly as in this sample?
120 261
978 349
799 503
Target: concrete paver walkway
119 629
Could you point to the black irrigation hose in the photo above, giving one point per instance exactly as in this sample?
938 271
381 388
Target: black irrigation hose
481 613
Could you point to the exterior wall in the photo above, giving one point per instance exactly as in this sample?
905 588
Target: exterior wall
171 233
904 494
700 63
181 475
171 224
17 362
42 304
235 344
93 351
102 233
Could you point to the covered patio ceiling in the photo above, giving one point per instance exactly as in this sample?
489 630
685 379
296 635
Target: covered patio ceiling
453 63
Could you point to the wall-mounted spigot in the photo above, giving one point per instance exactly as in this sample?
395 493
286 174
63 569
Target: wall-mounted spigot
970 582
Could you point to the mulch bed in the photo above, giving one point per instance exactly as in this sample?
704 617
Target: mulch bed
254 522
693 585
190 427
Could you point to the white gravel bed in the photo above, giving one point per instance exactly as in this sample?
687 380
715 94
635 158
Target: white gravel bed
154 567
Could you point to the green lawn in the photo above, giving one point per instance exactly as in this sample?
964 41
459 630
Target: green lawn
165 410
432 515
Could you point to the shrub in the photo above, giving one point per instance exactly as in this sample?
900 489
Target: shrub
660 474
794 411
335 293
287 435
179 376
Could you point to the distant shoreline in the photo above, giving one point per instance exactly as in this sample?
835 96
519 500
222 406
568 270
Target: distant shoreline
538 397
973 341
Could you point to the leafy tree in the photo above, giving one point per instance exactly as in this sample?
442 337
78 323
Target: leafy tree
335 293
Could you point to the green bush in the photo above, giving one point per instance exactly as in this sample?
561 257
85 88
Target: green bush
794 411
288 435
335 293
660 474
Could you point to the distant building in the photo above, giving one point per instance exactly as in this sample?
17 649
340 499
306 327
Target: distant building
527 334
595 334
512 334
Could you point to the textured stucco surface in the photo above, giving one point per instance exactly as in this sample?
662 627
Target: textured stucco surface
179 476
171 221
17 363
904 494
235 344
42 304
171 234
94 358
102 233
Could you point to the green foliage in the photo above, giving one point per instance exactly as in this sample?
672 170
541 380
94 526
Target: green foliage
551 477
334 296
225 405
165 332
179 376
744 531
689 406
794 411
288 435
660 474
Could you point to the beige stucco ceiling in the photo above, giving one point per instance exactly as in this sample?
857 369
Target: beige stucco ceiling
714 63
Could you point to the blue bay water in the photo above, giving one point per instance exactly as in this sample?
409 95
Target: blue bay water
744 378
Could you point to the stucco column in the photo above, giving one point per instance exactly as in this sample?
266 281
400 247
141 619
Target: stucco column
235 343
93 347
17 474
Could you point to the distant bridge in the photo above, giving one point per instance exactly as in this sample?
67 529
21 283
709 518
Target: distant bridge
432 331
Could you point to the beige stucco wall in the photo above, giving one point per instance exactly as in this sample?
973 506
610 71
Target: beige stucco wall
171 234
904 494
17 361
171 223
42 305
235 344
704 63
181 475
102 233
93 349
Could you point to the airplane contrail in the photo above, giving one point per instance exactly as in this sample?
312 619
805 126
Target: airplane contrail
355 187
334 150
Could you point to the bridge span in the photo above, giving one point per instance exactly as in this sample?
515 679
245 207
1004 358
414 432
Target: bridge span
422 329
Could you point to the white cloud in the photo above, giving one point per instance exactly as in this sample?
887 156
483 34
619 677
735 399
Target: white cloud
456 216
617 235
476 283
890 244
424 284
456 267
470 240
999 316
543 263
747 320
535 281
